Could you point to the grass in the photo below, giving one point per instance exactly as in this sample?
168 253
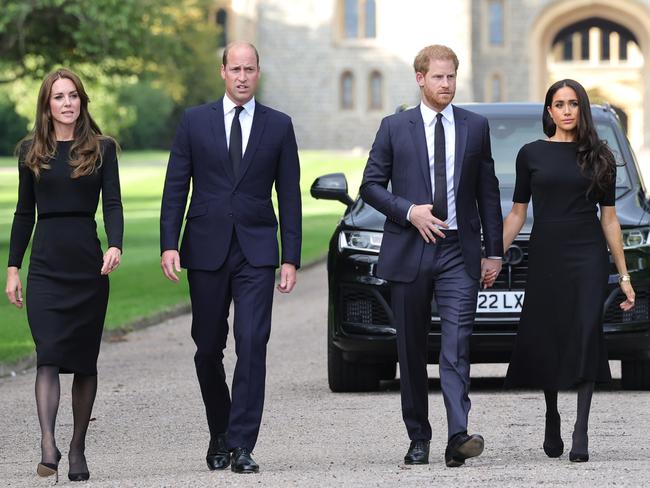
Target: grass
138 288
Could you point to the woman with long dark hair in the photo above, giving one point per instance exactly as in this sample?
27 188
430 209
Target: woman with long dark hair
63 166
560 343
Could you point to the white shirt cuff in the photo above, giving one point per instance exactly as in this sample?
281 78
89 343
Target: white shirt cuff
408 214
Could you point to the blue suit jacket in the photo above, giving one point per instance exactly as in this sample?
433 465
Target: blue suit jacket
399 155
222 204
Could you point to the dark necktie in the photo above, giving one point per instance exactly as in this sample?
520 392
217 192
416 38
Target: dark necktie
235 146
439 171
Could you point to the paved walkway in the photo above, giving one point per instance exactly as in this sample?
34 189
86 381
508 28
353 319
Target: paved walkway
149 428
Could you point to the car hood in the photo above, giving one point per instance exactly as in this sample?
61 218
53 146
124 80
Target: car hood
630 208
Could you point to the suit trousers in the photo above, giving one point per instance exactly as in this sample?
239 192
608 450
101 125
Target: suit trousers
211 293
442 276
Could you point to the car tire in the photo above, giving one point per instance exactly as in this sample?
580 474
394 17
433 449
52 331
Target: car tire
635 374
387 371
346 376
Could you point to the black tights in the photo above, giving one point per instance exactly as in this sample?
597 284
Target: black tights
48 391
580 437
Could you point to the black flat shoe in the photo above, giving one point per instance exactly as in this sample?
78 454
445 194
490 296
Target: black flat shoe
577 457
461 447
242 462
49 469
218 456
418 453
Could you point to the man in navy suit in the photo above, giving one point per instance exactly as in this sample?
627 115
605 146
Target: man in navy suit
438 160
232 151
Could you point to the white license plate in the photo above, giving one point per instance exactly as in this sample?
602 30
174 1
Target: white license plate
499 301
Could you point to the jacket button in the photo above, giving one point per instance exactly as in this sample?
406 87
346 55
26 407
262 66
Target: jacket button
230 215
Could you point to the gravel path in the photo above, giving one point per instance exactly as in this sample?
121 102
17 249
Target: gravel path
149 428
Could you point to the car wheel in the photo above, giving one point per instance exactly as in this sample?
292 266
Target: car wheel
347 376
387 371
635 374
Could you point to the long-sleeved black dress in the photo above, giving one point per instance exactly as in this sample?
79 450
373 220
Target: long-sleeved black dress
560 342
66 296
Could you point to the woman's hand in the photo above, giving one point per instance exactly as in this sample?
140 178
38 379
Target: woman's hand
111 260
14 287
626 287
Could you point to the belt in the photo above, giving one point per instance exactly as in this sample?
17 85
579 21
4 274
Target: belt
56 215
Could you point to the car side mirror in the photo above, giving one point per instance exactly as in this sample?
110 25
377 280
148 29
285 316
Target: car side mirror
333 186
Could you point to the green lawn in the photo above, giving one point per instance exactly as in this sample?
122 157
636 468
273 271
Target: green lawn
138 288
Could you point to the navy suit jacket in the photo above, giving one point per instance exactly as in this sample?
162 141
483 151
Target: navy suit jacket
222 203
399 155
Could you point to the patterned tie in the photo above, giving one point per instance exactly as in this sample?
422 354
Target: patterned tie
235 147
439 171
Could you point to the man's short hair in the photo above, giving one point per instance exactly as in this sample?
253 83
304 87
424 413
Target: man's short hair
224 59
437 52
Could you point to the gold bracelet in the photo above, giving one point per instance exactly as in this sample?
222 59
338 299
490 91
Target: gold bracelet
625 277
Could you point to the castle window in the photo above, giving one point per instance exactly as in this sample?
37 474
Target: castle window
359 19
375 91
495 22
347 90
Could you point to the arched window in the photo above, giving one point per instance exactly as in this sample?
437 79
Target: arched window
494 91
375 91
359 19
222 23
347 90
495 22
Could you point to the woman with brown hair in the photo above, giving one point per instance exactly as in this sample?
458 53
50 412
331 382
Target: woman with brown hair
64 164
560 343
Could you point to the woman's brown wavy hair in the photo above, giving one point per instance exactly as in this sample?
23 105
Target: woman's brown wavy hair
40 143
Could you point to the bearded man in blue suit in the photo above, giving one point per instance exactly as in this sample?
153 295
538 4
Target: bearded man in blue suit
232 152
438 160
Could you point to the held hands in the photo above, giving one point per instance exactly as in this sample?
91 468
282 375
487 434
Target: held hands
626 287
14 289
170 262
490 269
287 278
426 223
112 258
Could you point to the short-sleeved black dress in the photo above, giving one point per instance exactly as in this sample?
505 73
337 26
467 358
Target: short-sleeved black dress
66 296
560 341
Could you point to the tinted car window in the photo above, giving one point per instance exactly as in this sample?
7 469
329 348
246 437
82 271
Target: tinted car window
509 134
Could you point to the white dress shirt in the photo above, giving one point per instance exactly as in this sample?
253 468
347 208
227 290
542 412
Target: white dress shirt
245 120
429 119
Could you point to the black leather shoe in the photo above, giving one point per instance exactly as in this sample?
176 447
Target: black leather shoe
242 462
418 453
218 456
462 446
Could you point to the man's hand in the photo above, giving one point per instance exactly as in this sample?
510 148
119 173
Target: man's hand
425 222
170 262
490 269
287 278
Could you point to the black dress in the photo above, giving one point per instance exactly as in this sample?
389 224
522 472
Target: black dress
66 296
560 341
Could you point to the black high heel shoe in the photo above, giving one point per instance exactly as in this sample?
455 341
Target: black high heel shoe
578 457
49 469
583 443
553 444
81 475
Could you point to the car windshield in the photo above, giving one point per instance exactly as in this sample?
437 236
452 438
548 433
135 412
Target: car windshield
508 134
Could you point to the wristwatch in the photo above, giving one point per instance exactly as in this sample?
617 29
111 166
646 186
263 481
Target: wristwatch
622 278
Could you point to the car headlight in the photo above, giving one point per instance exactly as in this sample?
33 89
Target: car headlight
633 238
360 240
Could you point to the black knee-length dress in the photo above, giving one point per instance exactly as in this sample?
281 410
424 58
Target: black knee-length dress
66 296
560 341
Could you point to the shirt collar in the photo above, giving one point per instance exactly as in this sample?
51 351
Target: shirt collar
429 115
229 105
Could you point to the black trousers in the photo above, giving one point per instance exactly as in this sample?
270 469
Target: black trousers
442 276
211 292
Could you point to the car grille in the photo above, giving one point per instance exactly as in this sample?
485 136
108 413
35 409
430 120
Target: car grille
361 306
513 275
640 312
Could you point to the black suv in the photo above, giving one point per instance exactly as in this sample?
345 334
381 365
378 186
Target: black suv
361 326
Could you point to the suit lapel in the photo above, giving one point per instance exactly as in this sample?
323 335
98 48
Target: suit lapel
460 121
257 129
416 126
219 134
